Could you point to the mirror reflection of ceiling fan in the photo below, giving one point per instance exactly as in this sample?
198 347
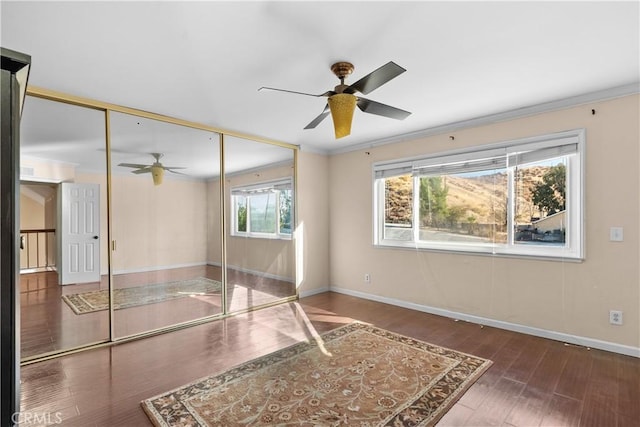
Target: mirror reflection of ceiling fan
342 101
156 169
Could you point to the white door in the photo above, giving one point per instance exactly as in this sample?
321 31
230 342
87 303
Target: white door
79 233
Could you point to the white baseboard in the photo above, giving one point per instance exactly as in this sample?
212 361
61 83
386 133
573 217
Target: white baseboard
199 264
254 272
311 292
529 330
156 268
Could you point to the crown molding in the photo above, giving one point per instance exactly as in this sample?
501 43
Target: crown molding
545 107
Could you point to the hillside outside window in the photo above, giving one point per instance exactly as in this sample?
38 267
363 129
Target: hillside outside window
521 198
262 210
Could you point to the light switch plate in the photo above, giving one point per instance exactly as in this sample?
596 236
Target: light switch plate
616 234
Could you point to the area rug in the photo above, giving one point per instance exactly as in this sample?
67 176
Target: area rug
356 375
88 302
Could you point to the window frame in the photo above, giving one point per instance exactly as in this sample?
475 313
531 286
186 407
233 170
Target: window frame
274 186
575 201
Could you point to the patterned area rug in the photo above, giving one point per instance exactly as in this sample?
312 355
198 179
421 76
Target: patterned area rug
88 302
356 375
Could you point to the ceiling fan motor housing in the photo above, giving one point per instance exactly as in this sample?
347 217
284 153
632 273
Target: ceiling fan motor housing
342 70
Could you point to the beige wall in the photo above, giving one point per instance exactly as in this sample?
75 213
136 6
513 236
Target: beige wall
50 211
158 226
313 222
564 297
32 213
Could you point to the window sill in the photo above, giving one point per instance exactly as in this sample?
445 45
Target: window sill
261 236
487 251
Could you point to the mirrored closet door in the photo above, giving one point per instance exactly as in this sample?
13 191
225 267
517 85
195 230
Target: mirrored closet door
122 221
64 297
260 209
166 244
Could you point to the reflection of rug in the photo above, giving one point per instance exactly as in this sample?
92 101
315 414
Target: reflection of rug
88 302
355 375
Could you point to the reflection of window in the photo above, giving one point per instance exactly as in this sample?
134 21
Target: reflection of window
263 209
240 213
520 198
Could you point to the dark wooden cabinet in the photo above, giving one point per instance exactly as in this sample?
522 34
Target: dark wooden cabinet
15 73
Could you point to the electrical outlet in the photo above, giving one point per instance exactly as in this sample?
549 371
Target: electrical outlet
367 278
615 317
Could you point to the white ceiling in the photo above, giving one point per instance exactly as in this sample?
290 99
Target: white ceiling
204 61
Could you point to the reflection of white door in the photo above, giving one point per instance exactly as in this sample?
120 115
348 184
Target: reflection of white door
79 233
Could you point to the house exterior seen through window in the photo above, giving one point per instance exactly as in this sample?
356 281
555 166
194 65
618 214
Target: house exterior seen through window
263 210
520 198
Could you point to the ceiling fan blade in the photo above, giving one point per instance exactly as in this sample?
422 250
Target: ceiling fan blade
133 165
373 107
315 122
172 167
376 78
176 172
328 93
144 170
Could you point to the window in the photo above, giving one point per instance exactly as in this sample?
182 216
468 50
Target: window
263 209
519 198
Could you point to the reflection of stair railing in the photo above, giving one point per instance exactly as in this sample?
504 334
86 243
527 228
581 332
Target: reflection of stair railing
37 249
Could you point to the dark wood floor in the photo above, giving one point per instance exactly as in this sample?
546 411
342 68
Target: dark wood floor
48 324
532 382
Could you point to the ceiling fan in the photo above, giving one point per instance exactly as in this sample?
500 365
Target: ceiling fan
156 169
341 101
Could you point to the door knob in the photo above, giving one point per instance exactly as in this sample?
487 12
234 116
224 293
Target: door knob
95 237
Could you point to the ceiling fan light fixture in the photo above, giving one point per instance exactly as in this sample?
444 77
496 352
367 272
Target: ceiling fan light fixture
342 101
157 172
342 107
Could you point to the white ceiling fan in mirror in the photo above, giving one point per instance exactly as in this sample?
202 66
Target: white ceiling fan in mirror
143 145
156 169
